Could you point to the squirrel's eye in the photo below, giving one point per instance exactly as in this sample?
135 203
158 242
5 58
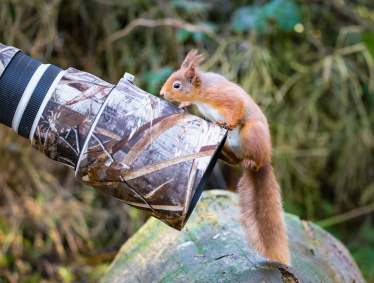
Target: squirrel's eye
176 85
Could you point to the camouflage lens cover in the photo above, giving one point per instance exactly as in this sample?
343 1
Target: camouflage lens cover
148 153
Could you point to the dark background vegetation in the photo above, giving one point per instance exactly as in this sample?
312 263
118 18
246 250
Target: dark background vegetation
308 64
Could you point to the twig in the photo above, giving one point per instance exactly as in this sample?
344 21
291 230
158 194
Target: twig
223 256
9 276
346 11
346 216
152 23
352 49
147 23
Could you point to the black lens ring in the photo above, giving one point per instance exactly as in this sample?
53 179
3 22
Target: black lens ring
14 81
204 179
36 100
6 83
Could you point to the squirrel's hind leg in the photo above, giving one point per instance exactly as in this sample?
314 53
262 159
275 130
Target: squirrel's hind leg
250 164
256 144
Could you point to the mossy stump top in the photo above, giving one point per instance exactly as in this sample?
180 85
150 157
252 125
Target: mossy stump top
212 248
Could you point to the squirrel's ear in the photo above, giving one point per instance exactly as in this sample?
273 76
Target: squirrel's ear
187 61
190 73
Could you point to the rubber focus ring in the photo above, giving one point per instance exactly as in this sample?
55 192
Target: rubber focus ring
4 80
13 83
36 100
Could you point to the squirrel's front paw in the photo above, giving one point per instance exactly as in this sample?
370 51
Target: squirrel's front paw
225 125
184 104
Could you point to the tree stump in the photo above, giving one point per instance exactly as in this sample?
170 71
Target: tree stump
212 248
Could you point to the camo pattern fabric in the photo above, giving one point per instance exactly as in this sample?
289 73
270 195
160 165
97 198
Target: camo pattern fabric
148 153
6 55
68 116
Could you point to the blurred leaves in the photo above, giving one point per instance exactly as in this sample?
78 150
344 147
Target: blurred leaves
368 38
66 275
184 35
47 218
285 13
248 18
191 6
155 80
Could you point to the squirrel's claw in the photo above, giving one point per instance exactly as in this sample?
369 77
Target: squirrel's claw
184 104
225 125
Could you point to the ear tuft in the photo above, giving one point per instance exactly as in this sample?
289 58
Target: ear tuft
190 56
196 61
191 64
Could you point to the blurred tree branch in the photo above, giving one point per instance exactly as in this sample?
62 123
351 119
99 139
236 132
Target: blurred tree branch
346 11
346 216
149 23
153 23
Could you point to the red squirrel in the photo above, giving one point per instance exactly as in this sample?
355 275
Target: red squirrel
248 143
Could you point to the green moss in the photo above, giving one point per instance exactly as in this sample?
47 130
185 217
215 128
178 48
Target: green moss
316 255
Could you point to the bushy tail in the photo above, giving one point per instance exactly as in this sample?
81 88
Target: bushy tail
262 213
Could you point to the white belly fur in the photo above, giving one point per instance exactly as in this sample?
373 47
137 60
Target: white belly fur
209 112
233 142
232 136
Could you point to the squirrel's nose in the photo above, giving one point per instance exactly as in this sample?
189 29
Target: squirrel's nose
162 93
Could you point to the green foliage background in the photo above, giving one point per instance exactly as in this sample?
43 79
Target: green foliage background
308 64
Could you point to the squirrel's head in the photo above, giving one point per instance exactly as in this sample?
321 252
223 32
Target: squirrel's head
183 85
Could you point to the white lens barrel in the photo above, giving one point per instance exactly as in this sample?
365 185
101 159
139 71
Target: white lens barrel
27 94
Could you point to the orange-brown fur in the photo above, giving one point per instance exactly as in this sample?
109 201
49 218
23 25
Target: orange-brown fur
231 107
